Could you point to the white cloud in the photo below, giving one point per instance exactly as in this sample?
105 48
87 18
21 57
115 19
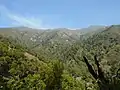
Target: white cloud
18 20
26 21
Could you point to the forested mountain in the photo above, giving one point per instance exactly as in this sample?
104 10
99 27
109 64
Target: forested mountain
41 36
60 59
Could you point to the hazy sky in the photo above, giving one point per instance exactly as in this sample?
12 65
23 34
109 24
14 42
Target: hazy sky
59 13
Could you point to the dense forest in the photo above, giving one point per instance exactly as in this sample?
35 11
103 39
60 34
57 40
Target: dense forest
60 59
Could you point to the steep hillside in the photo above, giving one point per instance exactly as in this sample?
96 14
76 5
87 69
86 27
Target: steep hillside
21 70
109 37
104 44
57 58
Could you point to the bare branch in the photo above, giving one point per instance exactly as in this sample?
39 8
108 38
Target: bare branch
90 68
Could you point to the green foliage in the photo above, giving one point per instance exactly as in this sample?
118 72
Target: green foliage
71 83
52 63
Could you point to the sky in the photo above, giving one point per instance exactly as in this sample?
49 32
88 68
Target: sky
59 13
